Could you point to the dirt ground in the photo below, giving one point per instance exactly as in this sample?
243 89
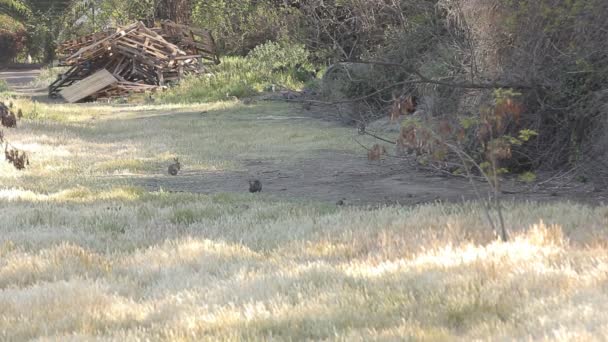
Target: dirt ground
338 176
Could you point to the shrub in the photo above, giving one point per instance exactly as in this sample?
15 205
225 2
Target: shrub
453 55
270 64
11 44
3 86
47 76
240 26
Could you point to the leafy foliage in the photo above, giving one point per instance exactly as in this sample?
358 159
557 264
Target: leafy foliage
11 44
240 26
493 138
271 64
3 86
17 9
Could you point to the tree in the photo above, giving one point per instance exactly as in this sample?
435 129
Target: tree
16 9
177 10
13 14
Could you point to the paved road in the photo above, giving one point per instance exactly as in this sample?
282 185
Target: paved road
20 82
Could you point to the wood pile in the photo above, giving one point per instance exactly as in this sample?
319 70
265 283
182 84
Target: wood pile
194 41
70 47
139 58
90 85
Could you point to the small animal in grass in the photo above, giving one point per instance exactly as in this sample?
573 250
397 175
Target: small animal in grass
174 168
361 128
255 186
376 152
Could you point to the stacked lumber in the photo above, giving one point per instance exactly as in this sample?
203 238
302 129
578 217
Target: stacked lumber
90 85
138 58
192 40
70 47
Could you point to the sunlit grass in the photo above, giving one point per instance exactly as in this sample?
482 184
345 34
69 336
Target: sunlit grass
127 165
47 76
97 145
85 254
196 267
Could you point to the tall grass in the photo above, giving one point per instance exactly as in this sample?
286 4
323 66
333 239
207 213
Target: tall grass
47 76
124 265
4 86
85 254
269 66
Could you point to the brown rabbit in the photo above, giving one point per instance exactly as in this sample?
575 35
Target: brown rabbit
174 168
375 152
403 105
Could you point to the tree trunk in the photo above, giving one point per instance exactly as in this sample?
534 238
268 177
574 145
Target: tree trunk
177 10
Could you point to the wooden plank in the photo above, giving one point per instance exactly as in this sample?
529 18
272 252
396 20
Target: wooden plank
88 86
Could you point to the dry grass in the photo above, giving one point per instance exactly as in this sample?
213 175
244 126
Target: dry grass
86 257
99 145
233 267
47 76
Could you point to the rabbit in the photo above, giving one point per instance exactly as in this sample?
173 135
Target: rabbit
255 186
174 168
376 152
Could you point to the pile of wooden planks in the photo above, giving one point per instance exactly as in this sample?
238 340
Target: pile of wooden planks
138 58
72 46
192 40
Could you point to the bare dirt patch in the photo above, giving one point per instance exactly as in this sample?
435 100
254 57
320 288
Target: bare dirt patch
332 176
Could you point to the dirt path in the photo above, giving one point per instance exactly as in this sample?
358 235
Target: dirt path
334 176
329 175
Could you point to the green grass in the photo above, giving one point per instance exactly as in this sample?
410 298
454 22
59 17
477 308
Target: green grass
99 145
3 87
47 76
241 77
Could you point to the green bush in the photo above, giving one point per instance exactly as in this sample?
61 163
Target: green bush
281 65
47 76
240 26
3 86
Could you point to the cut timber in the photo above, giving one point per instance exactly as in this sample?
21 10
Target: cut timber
88 86
140 58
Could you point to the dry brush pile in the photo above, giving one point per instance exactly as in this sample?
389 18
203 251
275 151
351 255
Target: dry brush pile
8 119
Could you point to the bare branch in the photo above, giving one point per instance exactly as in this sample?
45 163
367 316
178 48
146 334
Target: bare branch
424 79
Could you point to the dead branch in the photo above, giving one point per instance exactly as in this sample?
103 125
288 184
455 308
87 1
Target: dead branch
424 79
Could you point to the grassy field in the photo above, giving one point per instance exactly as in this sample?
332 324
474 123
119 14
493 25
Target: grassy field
97 146
86 255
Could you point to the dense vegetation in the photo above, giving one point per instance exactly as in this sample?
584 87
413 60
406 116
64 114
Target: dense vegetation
518 85
99 240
